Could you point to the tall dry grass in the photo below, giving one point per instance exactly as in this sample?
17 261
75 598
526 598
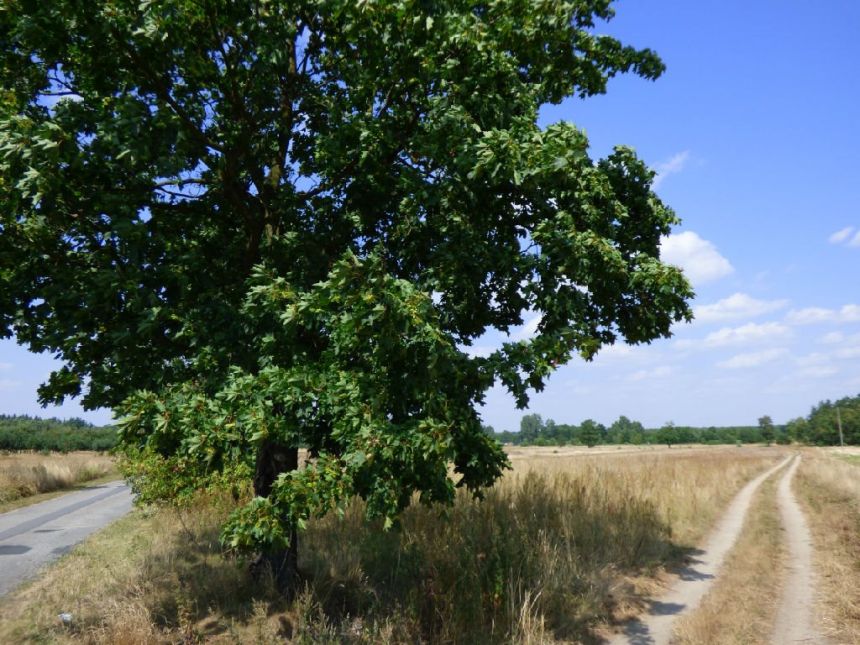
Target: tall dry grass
556 549
829 489
23 474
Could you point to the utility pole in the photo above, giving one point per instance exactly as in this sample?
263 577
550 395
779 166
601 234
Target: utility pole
839 423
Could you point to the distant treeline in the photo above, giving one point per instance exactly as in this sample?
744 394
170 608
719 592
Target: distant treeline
819 428
31 433
535 431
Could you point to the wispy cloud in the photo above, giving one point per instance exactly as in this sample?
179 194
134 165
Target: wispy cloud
753 359
672 166
658 372
832 338
529 328
816 315
817 371
841 235
478 351
737 306
5 367
846 237
699 258
749 333
839 347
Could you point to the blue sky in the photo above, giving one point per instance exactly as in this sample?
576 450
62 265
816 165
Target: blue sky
754 128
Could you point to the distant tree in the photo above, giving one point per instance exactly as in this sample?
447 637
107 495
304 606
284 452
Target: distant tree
590 433
667 434
566 433
531 427
623 430
782 435
766 429
550 432
822 425
32 433
686 434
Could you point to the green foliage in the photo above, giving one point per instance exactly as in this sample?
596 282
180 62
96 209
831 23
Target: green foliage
245 225
668 434
766 429
625 431
591 433
31 433
821 426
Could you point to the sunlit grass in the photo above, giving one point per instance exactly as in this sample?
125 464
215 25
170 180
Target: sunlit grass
24 474
557 551
829 489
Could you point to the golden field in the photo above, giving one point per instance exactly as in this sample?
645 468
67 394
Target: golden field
565 545
24 474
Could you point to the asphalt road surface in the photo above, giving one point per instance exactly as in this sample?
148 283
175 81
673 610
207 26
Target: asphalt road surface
32 536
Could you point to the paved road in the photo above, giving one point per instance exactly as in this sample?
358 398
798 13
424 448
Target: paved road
32 536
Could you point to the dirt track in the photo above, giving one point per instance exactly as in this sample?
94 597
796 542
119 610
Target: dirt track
696 578
794 621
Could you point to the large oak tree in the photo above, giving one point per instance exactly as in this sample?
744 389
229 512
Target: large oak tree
255 225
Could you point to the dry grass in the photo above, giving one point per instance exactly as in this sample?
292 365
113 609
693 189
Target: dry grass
24 474
829 489
558 547
741 606
689 486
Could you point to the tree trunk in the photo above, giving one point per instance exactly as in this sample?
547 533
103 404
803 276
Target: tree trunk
282 564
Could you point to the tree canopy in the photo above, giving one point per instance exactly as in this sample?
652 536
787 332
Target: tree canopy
821 427
254 225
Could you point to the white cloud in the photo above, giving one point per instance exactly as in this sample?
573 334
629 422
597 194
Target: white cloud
751 332
478 351
842 348
832 338
847 352
673 166
699 258
753 359
736 306
841 235
5 367
8 384
529 329
814 315
846 237
817 371
657 372
810 315
616 351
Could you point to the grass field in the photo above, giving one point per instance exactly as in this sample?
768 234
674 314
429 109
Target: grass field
829 487
27 474
562 547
